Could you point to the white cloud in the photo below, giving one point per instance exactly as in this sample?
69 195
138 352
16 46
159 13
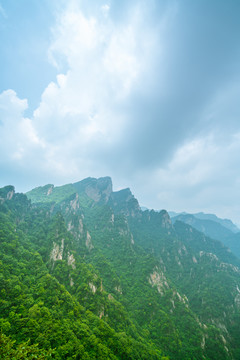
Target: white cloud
104 58
132 101
18 135
82 113
105 9
11 105
81 116
203 175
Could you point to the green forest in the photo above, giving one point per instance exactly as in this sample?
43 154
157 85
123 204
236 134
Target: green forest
86 274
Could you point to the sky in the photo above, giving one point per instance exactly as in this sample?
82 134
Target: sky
144 91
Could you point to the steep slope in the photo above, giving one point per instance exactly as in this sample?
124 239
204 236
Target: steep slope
96 218
201 268
168 279
214 229
226 223
55 303
210 228
233 243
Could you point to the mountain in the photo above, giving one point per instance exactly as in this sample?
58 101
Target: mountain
144 208
213 227
226 223
210 228
233 243
87 274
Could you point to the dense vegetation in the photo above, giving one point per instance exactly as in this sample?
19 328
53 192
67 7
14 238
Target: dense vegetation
85 274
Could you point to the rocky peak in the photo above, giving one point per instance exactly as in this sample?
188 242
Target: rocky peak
124 202
7 192
41 193
96 189
166 220
159 219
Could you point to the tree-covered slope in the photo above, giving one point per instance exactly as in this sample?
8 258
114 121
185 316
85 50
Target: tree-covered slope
201 268
35 304
96 218
92 276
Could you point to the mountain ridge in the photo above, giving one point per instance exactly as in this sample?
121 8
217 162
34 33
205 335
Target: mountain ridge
135 271
227 223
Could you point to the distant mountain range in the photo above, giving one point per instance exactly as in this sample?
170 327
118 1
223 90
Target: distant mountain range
202 216
85 273
212 226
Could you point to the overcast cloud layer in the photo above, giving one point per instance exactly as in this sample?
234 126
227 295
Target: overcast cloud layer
147 92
